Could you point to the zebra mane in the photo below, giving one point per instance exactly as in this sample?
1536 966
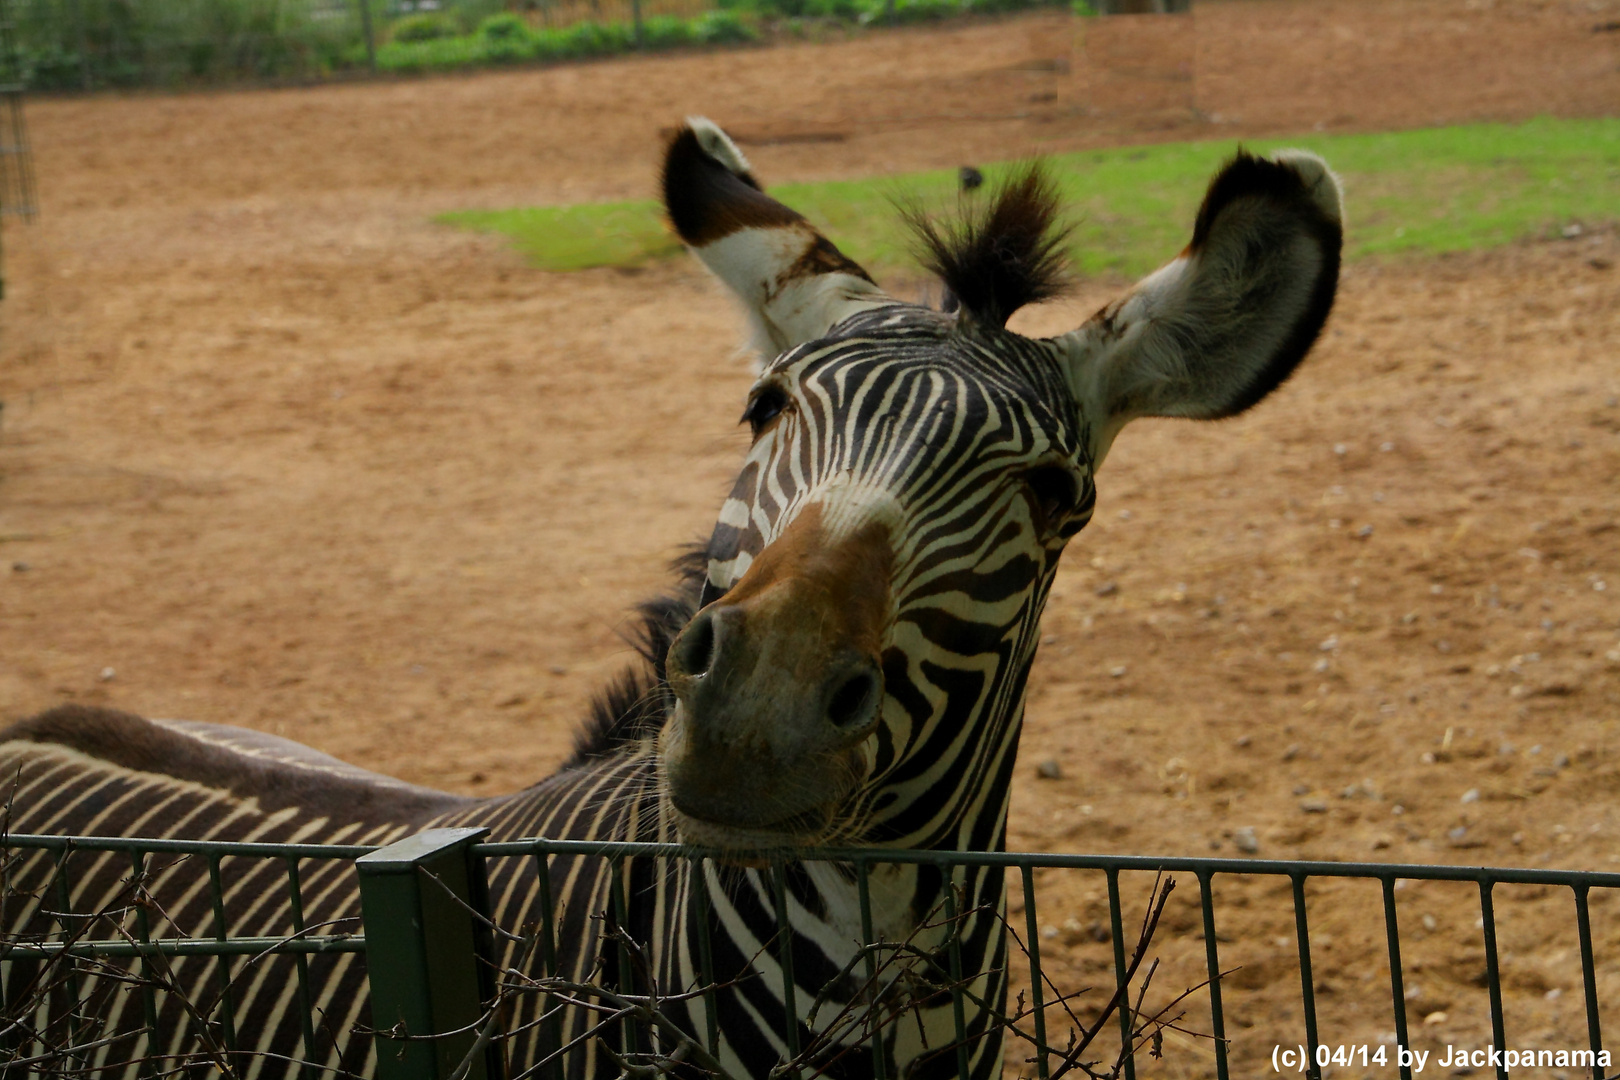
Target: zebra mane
633 706
1005 253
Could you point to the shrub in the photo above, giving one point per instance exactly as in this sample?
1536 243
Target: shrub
722 28
129 43
666 32
157 42
50 67
598 39
912 11
425 26
550 44
435 55
997 7
833 9
469 14
504 27
504 39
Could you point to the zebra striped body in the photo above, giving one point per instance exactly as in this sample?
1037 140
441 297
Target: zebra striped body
232 794
849 669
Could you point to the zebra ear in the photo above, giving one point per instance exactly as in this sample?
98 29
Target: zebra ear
1223 324
794 283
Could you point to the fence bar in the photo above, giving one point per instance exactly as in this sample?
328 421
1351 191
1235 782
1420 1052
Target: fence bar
1594 1025
1127 1019
7 1039
1397 977
84 44
143 932
426 953
863 887
306 1004
153 845
551 1040
1487 913
368 33
1306 985
954 954
1502 875
67 920
784 931
711 1015
1032 936
15 1038
227 1008
242 946
1212 960
627 977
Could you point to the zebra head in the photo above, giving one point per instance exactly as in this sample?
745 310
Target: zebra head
875 580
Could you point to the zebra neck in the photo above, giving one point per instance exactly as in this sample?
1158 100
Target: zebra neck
961 804
609 799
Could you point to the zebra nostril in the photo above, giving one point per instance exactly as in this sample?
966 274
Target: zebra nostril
693 654
854 704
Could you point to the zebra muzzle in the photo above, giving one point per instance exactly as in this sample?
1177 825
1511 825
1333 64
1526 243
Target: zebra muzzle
778 685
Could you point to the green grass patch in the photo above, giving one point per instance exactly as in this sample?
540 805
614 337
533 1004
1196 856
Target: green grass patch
1429 191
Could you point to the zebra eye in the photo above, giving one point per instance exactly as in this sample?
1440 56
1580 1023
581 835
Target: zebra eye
766 405
1052 491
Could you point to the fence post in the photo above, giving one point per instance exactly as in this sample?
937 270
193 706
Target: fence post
427 954
367 32
635 15
84 43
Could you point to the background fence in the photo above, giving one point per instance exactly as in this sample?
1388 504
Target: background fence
426 946
80 45
16 163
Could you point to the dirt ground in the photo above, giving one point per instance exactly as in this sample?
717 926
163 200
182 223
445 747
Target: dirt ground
278 451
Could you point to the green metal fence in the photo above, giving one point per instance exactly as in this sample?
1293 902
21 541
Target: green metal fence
427 944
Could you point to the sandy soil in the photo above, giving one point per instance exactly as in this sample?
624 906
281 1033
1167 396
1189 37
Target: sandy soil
278 451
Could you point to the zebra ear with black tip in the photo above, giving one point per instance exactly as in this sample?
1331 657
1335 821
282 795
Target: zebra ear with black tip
793 282
1226 322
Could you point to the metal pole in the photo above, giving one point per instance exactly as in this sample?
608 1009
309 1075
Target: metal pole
428 955
84 43
635 14
368 33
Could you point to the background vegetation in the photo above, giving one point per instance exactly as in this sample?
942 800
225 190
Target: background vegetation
1433 190
92 44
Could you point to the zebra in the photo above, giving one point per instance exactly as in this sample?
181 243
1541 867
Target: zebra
842 663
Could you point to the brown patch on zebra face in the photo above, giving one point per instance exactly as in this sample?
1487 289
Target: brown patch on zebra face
778 684
821 256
